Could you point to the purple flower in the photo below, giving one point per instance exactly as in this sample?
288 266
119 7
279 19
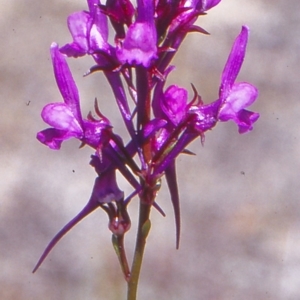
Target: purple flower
237 96
89 31
233 97
65 118
140 43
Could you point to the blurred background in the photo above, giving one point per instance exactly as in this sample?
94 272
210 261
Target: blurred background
239 195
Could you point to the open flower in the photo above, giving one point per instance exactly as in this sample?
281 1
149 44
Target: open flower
89 31
233 97
65 118
140 43
237 96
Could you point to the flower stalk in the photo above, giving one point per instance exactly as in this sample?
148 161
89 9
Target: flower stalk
144 226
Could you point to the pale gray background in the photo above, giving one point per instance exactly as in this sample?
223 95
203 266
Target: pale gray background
239 195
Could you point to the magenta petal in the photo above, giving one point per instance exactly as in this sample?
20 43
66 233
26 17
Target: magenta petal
139 45
206 116
245 120
234 62
52 138
96 133
59 116
73 50
65 81
241 96
78 24
174 103
98 31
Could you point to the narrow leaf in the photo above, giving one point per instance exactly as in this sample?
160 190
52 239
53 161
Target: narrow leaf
173 188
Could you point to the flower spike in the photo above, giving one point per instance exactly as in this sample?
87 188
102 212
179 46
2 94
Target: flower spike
160 121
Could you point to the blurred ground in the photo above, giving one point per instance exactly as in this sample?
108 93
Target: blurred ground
239 195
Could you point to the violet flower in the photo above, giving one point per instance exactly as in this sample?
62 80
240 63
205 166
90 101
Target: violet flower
90 33
233 97
65 118
237 96
139 46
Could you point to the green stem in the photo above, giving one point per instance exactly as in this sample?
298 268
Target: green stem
118 244
142 233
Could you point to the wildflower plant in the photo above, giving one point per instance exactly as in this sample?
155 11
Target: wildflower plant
161 120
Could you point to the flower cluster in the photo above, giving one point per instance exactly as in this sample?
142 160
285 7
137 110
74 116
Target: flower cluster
163 121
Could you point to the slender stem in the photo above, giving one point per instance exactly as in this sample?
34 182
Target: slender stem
146 195
143 230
